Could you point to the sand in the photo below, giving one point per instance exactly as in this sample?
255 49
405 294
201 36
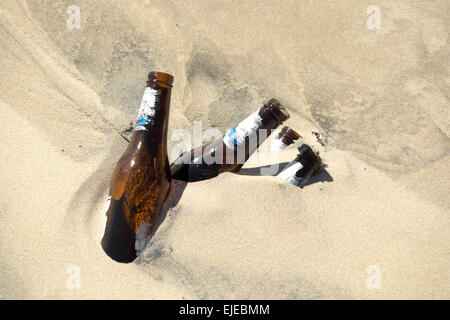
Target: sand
378 98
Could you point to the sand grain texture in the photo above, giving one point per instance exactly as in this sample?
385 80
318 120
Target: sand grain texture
378 98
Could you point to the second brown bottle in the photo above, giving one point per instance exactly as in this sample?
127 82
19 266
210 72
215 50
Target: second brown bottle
229 154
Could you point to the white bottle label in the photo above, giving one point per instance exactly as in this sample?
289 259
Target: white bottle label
277 145
288 174
246 128
148 108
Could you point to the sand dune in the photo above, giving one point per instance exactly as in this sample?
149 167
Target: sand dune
378 98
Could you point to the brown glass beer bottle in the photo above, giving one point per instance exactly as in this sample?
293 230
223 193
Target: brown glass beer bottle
141 180
228 154
306 164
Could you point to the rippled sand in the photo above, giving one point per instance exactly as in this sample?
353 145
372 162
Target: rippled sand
378 98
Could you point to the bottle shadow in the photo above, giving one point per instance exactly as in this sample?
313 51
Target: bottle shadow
321 176
177 187
272 170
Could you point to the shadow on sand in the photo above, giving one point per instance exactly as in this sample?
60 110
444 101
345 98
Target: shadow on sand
177 187
272 170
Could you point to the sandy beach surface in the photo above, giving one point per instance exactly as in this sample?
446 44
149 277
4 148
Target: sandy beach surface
374 225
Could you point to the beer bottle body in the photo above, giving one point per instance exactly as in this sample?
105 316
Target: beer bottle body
141 179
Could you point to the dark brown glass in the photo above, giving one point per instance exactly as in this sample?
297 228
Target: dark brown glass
141 180
309 162
288 136
197 165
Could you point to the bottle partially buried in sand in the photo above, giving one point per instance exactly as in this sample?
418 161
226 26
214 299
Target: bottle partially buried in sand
141 179
285 138
306 164
228 154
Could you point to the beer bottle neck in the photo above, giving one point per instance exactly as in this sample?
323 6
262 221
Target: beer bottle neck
286 137
153 117
302 167
150 110
154 109
269 117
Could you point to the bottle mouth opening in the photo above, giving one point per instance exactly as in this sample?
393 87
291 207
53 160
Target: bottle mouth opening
161 78
279 112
